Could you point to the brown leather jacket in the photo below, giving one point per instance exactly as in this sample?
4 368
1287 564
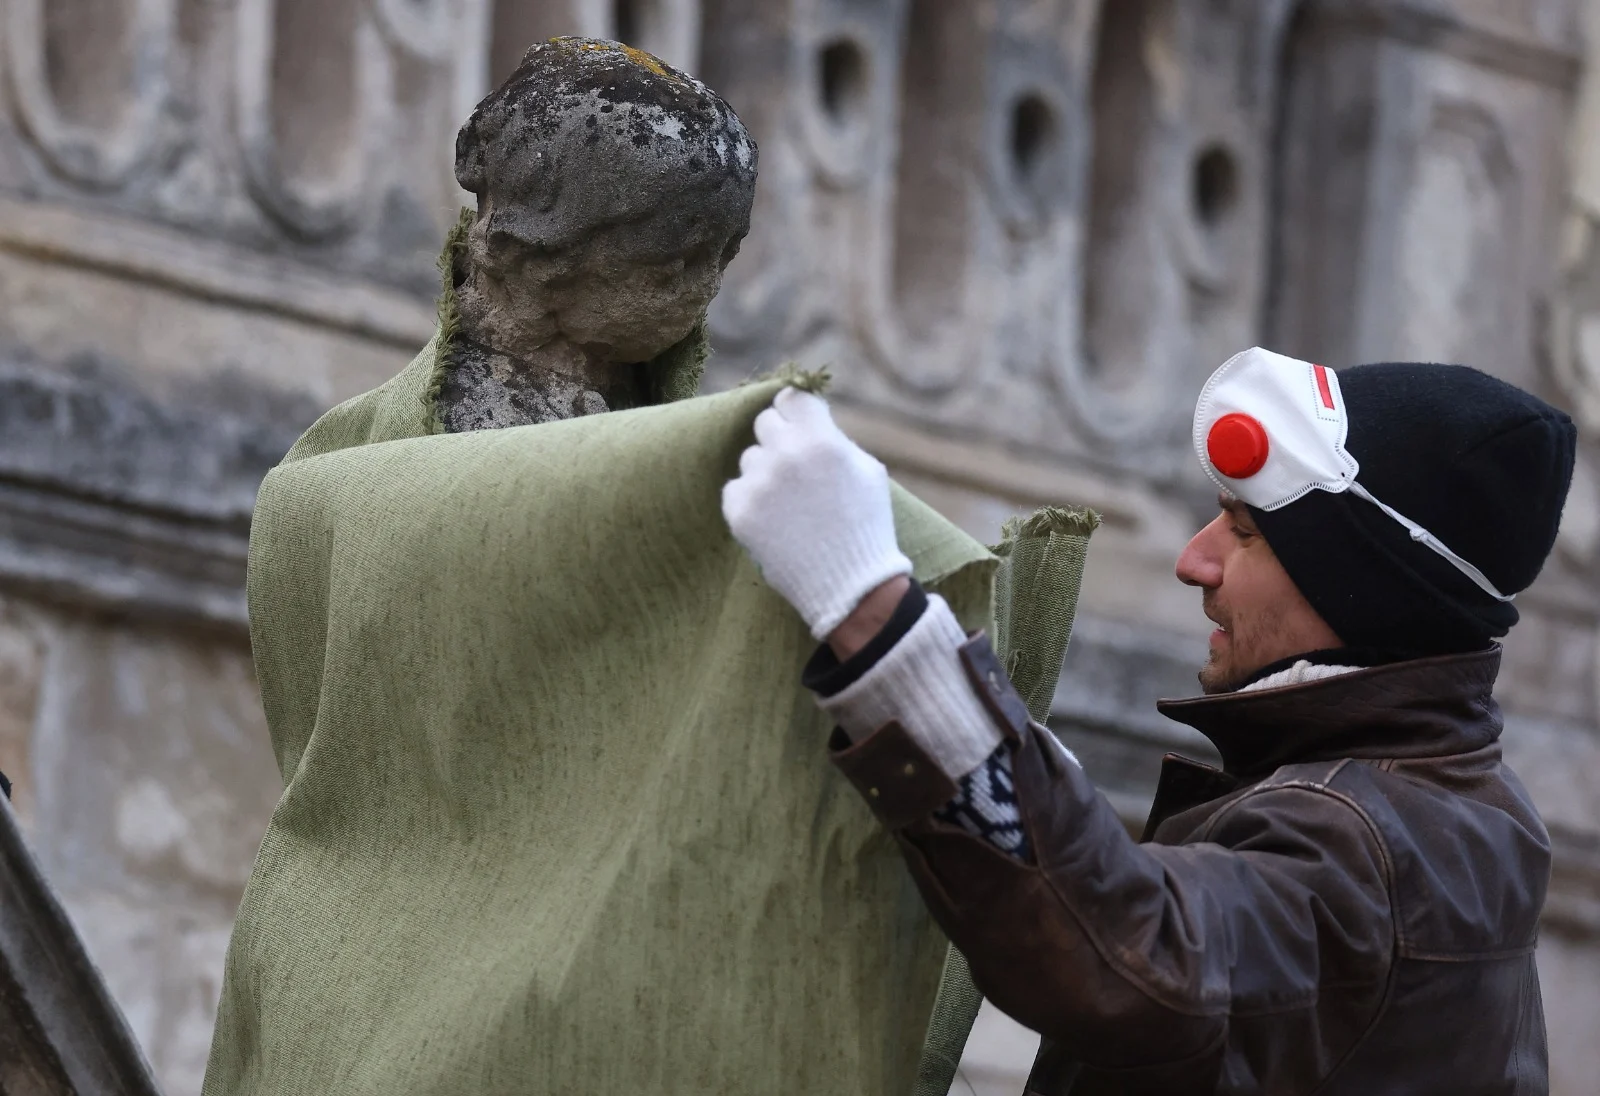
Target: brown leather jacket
1349 906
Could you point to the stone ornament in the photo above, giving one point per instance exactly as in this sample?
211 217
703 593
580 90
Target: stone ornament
309 169
423 28
95 111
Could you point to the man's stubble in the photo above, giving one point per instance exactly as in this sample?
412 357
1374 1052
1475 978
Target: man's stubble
1253 642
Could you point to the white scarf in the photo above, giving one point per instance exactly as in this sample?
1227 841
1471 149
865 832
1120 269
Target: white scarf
1298 674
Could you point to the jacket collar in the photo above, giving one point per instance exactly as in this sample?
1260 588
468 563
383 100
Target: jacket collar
1429 707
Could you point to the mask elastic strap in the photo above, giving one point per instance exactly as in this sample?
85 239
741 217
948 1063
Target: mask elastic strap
1422 536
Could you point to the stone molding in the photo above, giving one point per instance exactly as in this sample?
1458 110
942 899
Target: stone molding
1476 37
108 558
213 270
110 501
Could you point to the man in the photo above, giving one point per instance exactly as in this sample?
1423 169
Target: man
1350 904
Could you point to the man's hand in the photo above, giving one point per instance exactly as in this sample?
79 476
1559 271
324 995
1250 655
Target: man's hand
813 511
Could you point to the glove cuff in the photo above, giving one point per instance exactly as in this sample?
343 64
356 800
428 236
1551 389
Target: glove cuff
845 578
922 685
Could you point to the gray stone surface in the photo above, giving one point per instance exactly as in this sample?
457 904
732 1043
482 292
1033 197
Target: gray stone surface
21 672
612 193
84 429
152 779
61 1032
112 499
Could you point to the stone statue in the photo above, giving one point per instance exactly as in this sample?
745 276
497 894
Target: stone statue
612 193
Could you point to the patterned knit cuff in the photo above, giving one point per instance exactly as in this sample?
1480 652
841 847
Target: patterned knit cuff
986 806
921 684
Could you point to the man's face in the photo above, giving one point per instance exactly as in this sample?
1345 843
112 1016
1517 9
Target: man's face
1260 614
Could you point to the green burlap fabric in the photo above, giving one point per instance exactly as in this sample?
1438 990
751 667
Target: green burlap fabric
557 816
1035 600
955 1010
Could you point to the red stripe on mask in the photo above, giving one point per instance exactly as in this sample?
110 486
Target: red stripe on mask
1323 386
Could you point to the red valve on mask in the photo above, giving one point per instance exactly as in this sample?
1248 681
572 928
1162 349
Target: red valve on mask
1237 446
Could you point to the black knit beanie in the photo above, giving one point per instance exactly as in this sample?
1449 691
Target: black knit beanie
1479 463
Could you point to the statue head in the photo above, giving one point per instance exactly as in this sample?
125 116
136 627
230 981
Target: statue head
612 192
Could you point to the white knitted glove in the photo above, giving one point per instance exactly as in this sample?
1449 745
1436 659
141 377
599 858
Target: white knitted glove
813 511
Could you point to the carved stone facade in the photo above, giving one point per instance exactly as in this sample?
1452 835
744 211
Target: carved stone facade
1021 232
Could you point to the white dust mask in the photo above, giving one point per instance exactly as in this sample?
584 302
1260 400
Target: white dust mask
1270 429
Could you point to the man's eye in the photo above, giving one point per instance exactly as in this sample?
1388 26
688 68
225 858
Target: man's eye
1241 532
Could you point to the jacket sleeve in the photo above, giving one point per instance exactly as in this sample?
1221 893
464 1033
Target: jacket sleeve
1127 955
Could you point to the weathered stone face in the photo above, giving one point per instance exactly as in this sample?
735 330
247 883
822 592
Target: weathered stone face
612 192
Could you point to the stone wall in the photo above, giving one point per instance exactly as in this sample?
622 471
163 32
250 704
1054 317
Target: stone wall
1021 231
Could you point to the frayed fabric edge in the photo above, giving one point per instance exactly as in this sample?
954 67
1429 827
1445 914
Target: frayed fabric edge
1066 521
815 381
455 244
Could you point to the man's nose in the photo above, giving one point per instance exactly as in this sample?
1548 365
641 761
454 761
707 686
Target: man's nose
1200 564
